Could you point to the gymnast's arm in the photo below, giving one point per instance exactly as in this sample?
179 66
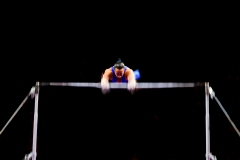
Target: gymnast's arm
107 74
130 75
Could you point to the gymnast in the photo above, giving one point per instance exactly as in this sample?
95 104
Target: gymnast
119 73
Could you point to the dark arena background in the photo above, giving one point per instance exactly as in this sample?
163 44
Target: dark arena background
152 124
82 123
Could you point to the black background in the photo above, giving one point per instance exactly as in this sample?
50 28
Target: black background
152 123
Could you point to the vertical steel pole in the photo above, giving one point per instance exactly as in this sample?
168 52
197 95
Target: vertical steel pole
34 145
207 121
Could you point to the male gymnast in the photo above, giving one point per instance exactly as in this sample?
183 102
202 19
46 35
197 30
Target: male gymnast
119 73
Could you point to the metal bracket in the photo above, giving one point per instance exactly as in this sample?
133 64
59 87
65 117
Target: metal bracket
211 92
28 156
211 157
32 92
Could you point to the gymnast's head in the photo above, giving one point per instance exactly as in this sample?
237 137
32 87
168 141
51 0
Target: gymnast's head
119 68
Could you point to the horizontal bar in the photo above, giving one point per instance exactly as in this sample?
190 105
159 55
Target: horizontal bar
124 85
